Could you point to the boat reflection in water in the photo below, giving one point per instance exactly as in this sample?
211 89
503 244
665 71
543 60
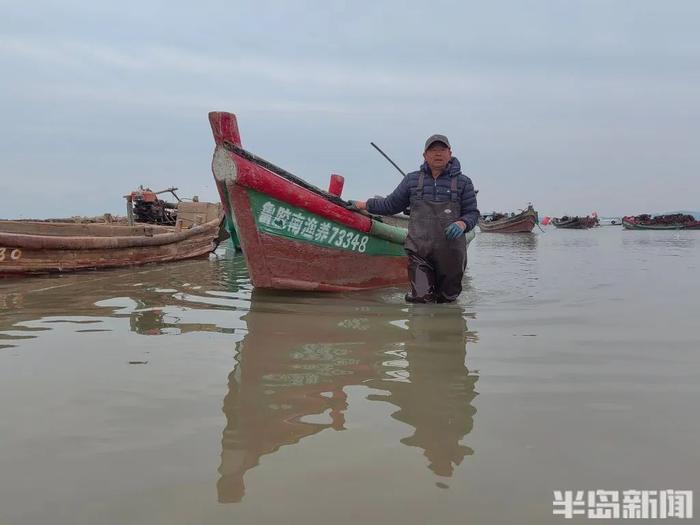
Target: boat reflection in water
176 298
298 356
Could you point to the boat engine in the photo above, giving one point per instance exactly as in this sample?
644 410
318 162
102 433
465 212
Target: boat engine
143 205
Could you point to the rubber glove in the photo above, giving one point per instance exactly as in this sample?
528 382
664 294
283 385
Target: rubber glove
454 230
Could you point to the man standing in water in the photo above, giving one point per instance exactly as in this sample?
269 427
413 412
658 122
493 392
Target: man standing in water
443 208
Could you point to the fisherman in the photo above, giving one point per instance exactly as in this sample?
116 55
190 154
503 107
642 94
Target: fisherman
443 208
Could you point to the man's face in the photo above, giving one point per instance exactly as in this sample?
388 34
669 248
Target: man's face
437 156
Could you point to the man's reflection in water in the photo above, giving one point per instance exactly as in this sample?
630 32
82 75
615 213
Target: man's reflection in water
435 390
296 359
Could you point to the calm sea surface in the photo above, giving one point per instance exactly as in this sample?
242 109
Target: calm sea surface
177 394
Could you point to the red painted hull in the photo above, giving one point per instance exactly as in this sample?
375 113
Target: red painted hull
281 262
284 264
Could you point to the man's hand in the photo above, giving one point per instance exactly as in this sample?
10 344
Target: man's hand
455 229
360 205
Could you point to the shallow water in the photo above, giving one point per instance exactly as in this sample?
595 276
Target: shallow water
176 394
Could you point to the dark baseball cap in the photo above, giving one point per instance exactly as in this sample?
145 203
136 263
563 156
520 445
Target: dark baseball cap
432 139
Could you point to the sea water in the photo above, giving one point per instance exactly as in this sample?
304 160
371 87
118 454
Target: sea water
178 394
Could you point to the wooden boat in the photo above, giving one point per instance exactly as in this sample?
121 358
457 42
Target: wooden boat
33 247
675 221
575 223
296 236
515 223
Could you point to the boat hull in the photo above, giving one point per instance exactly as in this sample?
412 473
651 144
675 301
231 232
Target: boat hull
28 248
631 224
282 260
579 223
522 223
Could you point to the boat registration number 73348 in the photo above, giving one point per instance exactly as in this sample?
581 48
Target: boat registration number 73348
276 218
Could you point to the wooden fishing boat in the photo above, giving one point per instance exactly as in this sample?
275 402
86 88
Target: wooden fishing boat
297 236
575 223
33 247
675 221
522 222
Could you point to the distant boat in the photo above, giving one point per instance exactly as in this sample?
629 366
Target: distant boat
609 221
296 236
575 223
675 221
181 231
523 222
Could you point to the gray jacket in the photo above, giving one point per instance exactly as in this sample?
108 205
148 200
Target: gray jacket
437 190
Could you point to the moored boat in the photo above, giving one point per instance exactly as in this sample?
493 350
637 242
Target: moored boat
674 221
522 222
295 235
575 223
35 246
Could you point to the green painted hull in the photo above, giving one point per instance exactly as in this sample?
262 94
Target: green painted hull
636 226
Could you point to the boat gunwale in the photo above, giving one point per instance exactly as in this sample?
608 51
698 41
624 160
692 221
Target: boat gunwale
76 229
87 242
378 228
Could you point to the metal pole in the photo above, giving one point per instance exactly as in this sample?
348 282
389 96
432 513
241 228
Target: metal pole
387 158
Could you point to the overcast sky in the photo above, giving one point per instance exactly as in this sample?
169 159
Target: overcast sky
574 105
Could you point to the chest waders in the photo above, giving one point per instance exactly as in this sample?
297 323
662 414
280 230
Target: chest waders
435 264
